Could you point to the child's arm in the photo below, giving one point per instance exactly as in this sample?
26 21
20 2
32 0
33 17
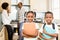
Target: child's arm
53 35
30 35
23 34
40 36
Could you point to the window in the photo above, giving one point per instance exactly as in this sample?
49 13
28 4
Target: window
26 2
14 8
55 8
13 12
13 2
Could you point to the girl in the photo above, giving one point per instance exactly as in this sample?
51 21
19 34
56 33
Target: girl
30 28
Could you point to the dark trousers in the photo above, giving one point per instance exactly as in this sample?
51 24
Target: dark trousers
10 32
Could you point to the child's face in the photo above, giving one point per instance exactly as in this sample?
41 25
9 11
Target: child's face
49 18
30 17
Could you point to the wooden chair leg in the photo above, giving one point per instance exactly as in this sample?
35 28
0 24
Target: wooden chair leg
6 34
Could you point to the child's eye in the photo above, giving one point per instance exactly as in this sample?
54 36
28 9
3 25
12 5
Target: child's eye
46 17
30 16
50 17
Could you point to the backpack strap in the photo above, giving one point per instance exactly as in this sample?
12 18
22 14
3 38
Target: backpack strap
44 25
53 26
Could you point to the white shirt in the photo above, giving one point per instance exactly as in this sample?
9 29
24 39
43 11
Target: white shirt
56 28
5 18
20 14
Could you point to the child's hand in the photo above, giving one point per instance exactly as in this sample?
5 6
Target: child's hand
46 39
38 38
44 31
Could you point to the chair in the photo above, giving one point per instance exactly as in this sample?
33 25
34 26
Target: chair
3 34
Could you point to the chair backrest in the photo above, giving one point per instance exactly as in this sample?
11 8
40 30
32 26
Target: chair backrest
3 34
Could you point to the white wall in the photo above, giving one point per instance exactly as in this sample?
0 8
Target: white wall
38 5
46 5
55 8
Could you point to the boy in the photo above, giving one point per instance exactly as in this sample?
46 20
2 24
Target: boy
6 20
30 28
20 16
20 12
49 30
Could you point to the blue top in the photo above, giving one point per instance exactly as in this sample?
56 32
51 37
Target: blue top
49 30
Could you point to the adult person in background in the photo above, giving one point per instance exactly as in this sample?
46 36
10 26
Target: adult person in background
6 19
20 18
20 12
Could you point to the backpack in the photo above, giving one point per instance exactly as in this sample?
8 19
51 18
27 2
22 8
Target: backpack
53 26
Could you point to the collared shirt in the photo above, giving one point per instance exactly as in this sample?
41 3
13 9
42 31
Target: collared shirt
5 18
20 14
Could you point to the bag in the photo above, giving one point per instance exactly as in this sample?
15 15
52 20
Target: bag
30 29
53 26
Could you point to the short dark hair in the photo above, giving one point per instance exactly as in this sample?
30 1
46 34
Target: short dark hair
20 3
48 12
31 12
5 5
